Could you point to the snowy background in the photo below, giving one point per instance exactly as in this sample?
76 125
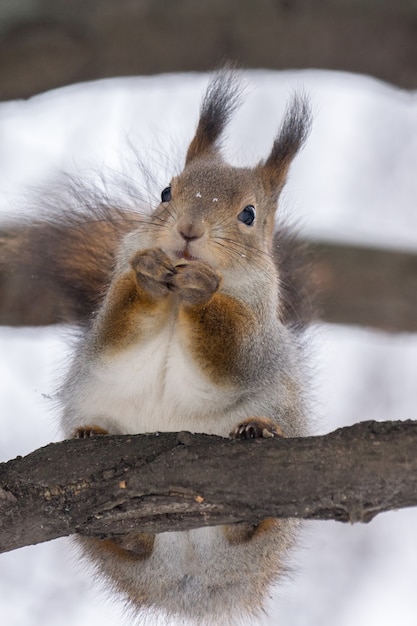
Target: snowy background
355 181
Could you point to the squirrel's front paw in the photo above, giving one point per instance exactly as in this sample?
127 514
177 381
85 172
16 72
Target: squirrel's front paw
195 282
154 271
256 428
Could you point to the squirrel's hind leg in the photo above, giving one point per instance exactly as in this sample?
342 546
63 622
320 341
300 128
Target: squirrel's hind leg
252 428
133 546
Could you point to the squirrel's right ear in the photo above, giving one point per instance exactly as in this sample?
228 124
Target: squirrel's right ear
221 99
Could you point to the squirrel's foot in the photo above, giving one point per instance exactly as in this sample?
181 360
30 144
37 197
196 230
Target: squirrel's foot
257 428
83 432
154 271
195 282
133 546
252 428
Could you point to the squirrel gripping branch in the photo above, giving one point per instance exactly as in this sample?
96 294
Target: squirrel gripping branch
199 330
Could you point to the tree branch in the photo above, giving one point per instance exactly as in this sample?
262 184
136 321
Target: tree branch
176 481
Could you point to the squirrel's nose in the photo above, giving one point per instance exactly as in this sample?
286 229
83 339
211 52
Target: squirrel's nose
190 231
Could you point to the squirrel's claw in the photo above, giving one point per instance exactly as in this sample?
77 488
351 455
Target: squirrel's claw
257 428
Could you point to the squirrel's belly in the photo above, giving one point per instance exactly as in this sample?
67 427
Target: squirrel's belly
154 386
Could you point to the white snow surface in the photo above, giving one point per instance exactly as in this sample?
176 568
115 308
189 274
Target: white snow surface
355 181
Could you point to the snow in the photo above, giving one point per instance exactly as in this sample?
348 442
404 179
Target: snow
354 181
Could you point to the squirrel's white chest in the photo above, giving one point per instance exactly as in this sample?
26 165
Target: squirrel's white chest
153 386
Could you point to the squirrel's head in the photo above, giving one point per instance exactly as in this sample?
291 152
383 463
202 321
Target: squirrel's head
222 214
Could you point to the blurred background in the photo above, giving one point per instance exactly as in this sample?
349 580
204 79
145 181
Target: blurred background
353 190
49 43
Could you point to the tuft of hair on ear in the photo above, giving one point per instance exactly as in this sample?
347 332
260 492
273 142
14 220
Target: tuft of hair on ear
221 99
292 135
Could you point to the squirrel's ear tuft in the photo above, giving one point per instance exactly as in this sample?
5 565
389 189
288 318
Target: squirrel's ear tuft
291 137
220 101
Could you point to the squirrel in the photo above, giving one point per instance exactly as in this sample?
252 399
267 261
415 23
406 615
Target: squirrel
193 321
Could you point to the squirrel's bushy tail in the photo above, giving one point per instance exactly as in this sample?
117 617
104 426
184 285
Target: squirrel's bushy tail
56 269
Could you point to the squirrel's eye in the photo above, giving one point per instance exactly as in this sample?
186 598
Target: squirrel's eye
166 194
247 216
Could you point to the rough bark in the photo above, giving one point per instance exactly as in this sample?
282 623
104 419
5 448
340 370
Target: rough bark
109 485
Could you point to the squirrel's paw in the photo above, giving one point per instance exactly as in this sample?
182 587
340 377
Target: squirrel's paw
256 428
83 432
195 282
154 271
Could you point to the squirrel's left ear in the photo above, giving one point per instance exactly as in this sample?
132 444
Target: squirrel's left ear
291 137
221 99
